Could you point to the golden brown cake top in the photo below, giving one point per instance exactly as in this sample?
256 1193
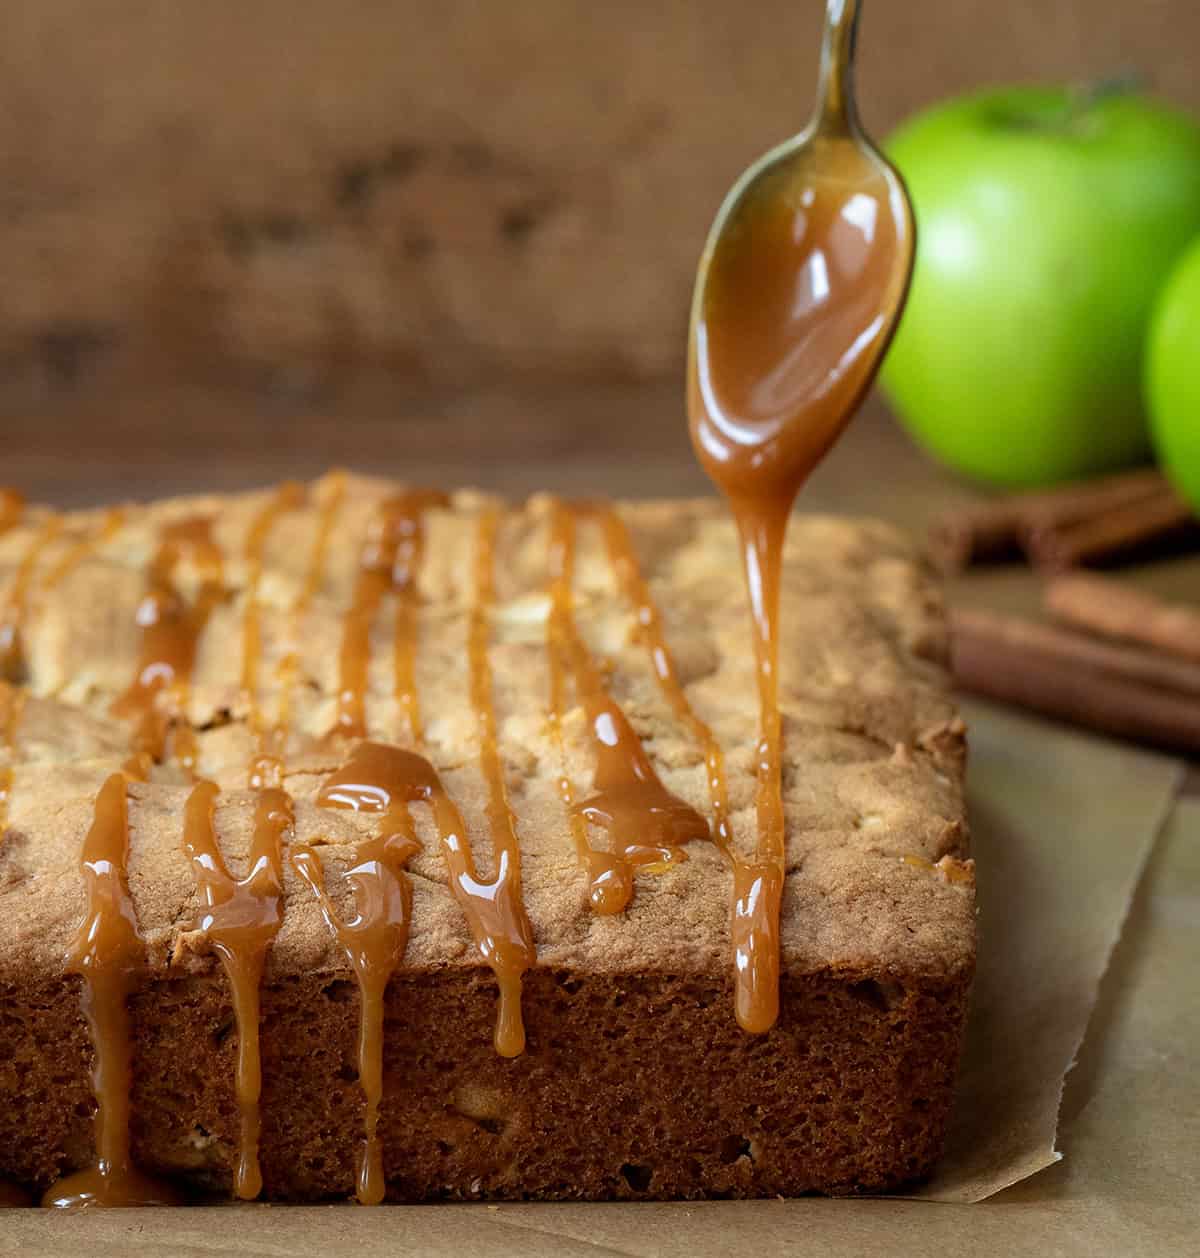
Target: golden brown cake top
874 751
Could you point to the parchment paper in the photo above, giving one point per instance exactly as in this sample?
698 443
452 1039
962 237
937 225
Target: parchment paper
1062 825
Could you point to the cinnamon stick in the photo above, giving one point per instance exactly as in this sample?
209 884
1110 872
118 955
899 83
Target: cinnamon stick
1115 609
996 529
1161 518
1057 673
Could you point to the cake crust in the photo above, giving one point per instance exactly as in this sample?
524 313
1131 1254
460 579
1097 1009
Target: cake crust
636 1079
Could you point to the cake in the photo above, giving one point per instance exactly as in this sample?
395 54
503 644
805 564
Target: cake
366 840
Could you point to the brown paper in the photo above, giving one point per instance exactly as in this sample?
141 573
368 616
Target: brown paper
1061 825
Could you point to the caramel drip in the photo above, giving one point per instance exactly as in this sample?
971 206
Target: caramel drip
12 613
756 887
10 718
624 561
107 955
374 939
242 918
378 776
385 779
288 497
12 508
103 532
647 825
267 769
170 633
501 821
759 890
404 662
389 561
327 518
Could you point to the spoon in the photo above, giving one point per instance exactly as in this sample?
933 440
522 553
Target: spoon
800 287
799 290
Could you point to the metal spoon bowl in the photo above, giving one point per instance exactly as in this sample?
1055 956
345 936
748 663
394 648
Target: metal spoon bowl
799 290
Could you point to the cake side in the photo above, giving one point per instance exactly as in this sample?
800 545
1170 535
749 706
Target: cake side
877 937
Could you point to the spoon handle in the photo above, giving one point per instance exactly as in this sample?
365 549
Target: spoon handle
836 112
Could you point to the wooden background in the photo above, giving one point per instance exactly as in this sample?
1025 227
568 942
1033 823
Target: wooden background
453 238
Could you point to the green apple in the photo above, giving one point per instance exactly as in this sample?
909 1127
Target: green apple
1046 222
1173 375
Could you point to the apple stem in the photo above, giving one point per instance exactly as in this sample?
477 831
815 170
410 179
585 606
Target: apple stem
1087 95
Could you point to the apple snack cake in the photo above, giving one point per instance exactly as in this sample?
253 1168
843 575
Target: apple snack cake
368 841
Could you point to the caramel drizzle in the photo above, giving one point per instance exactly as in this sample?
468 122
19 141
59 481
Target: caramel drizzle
108 527
501 820
107 954
376 937
10 718
170 634
494 910
389 561
633 585
330 507
757 887
13 611
647 825
246 915
288 497
267 767
378 776
242 918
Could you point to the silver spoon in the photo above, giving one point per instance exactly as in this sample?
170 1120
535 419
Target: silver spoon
799 290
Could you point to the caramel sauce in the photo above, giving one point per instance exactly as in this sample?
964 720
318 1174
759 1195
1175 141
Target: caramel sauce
107 954
242 918
330 506
501 821
376 937
509 948
288 497
633 585
12 705
376 777
170 633
108 527
384 779
786 339
267 768
647 825
757 887
12 611
389 561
